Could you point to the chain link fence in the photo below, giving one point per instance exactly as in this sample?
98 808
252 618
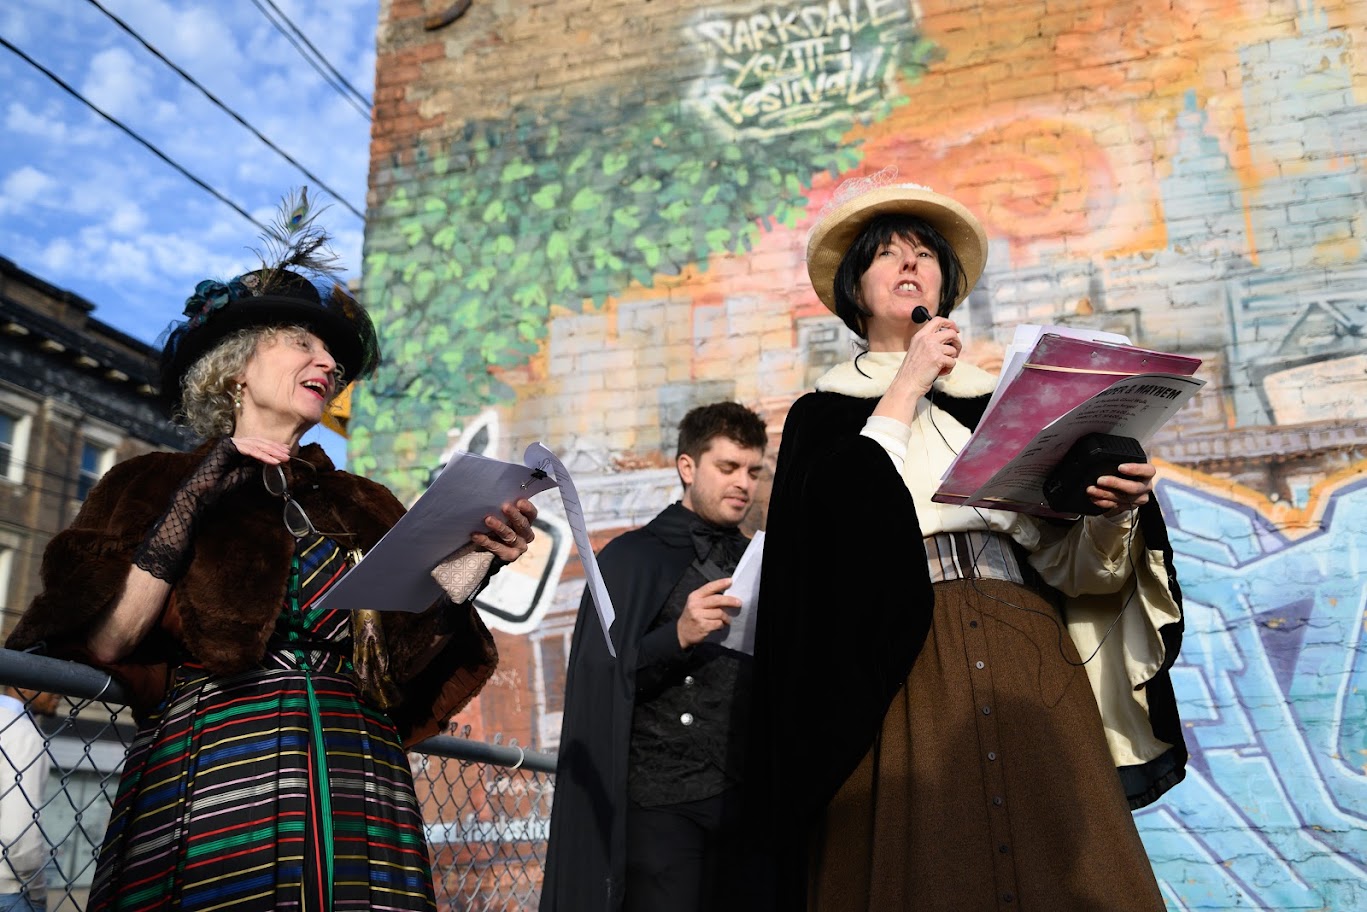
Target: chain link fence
64 730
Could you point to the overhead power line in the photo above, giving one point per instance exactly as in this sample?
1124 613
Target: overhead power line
332 77
355 92
116 122
229 111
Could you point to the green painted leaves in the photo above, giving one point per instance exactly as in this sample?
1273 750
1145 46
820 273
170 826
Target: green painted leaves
559 207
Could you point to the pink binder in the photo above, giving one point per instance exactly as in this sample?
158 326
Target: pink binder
1059 374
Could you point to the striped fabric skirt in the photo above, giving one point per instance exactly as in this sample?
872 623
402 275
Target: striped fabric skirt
276 788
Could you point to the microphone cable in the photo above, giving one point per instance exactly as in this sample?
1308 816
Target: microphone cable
920 315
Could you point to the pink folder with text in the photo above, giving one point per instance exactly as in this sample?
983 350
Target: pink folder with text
1059 374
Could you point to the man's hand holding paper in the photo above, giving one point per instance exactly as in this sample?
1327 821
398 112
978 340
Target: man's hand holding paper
738 632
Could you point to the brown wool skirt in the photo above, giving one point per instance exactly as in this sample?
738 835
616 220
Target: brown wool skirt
990 786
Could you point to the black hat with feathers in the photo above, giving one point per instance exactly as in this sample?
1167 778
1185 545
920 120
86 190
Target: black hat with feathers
295 285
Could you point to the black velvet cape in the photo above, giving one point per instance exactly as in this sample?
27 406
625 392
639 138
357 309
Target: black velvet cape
586 858
845 606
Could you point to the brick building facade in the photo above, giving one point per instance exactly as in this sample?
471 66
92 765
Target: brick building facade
586 216
76 397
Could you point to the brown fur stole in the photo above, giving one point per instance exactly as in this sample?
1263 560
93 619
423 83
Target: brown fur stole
223 610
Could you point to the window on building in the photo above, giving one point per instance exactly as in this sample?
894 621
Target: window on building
8 615
15 421
95 461
554 659
8 426
551 659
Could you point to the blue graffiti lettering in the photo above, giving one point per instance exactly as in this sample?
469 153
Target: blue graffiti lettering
1272 681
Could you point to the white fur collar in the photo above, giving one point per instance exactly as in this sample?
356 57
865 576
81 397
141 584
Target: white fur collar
964 382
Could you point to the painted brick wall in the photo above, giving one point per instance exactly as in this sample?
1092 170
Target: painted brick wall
587 216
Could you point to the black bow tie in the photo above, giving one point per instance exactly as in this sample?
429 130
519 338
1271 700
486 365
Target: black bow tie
722 546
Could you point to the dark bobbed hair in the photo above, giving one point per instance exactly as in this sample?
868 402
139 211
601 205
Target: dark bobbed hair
882 230
731 420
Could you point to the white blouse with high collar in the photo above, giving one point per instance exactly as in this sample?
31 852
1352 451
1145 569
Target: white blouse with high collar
1089 556
1090 561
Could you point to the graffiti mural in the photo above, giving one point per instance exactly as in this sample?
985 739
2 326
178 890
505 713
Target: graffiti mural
1272 681
483 238
579 250
777 71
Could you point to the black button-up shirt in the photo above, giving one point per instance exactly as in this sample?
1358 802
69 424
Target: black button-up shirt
691 704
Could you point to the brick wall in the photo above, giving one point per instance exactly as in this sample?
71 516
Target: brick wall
587 216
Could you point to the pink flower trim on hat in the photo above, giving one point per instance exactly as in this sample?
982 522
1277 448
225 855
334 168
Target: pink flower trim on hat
852 187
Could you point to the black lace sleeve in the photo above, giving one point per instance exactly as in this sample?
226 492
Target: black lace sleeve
165 552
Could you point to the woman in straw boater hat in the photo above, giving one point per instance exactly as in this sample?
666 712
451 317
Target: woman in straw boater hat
931 736
269 768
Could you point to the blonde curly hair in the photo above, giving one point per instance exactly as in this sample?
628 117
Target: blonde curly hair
209 389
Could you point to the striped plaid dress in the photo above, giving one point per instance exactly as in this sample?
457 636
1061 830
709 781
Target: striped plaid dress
275 788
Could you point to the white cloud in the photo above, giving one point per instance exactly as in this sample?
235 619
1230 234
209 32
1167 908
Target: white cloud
25 188
102 186
15 25
19 119
196 35
227 231
191 259
165 111
132 258
127 218
124 260
116 83
348 246
58 257
93 211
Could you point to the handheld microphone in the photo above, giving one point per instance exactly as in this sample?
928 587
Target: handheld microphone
919 314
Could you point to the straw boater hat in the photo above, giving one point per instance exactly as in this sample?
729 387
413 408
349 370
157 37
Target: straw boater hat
295 287
857 202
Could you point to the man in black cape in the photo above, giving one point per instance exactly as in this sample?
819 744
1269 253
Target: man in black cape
648 777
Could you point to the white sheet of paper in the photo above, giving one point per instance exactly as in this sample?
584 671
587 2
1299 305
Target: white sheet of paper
740 634
397 573
538 456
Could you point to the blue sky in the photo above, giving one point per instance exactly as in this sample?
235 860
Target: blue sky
88 209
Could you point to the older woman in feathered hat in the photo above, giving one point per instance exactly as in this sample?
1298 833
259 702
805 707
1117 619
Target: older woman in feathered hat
269 767
932 738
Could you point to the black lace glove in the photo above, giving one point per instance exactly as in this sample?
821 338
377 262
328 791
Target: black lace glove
165 552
